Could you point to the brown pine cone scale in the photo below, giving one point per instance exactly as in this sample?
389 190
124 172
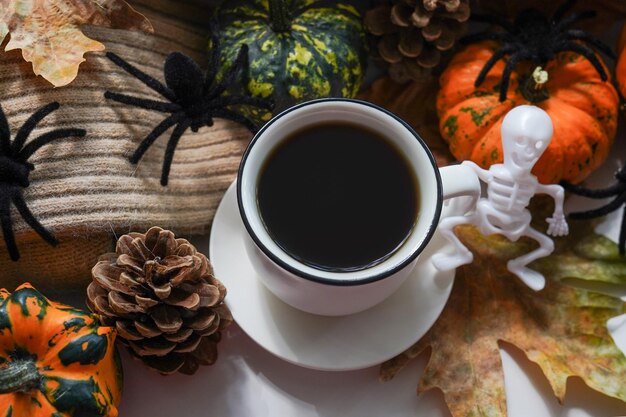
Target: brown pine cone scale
410 35
162 297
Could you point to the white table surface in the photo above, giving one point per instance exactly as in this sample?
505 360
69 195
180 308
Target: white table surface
247 381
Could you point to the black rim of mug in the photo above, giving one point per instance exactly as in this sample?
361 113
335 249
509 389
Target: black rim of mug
338 282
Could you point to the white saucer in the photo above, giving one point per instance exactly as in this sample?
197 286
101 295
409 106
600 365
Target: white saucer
325 343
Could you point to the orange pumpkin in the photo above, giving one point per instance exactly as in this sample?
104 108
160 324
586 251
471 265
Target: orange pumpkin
55 361
620 68
583 109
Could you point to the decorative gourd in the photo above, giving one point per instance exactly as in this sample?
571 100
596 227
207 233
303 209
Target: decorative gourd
298 49
55 361
478 88
620 68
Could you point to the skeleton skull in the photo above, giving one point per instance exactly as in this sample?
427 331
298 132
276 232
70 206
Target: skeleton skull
526 133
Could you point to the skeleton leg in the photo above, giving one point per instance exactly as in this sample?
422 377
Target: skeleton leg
533 279
462 255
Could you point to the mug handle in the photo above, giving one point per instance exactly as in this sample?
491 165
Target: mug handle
460 181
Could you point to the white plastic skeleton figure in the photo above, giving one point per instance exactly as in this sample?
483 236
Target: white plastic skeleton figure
526 133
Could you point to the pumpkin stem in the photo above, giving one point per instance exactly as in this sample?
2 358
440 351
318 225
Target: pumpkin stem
280 17
19 376
533 86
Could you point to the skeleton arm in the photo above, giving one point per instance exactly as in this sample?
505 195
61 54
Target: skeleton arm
483 174
556 192
557 224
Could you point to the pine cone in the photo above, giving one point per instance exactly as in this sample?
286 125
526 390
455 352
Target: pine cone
162 297
411 35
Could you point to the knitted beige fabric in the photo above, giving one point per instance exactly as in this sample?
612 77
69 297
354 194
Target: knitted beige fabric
84 189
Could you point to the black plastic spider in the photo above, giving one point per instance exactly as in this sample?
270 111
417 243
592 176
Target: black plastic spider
195 99
533 37
617 190
15 170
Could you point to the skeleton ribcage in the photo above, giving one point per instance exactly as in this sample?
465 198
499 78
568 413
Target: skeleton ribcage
508 196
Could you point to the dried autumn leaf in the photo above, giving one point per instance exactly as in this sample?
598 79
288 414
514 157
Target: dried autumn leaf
562 328
593 261
48 31
414 102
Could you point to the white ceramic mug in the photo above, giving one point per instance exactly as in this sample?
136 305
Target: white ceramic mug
339 293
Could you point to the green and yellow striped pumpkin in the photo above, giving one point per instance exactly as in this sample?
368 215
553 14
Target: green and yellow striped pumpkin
298 49
55 361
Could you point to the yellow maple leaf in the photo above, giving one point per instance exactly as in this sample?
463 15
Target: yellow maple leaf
48 31
561 328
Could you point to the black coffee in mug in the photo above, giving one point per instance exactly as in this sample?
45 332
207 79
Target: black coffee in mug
338 197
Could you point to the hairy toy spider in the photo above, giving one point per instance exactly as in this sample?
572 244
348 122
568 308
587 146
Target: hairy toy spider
15 170
533 37
617 190
194 99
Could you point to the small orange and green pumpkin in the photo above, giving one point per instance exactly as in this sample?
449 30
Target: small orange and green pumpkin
532 61
55 361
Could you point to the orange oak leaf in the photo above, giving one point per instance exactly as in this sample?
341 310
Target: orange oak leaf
48 31
561 328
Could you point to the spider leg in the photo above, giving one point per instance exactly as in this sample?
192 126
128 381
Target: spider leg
34 145
601 211
236 117
5 133
144 103
7 225
27 215
497 55
156 132
614 189
171 148
562 9
483 36
30 123
587 53
494 20
249 100
588 14
151 82
506 74
233 72
576 34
